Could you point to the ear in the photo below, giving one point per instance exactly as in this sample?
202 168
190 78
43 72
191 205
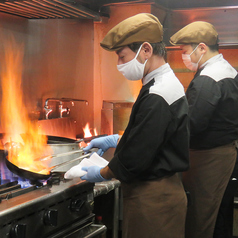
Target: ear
147 50
203 48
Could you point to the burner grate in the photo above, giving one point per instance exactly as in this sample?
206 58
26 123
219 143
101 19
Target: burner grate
13 189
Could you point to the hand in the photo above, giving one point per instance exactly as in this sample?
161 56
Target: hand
74 172
103 143
93 174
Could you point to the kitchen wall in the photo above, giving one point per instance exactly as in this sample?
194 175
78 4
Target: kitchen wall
63 58
58 62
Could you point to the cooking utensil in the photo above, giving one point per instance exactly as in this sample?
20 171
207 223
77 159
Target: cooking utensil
32 176
51 140
70 161
58 155
62 140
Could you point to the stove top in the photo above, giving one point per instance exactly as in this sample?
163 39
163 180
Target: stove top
50 209
45 211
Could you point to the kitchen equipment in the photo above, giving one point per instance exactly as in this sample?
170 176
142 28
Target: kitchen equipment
53 208
60 145
115 116
58 155
61 210
62 159
32 176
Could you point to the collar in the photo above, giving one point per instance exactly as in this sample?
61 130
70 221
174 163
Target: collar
212 60
161 70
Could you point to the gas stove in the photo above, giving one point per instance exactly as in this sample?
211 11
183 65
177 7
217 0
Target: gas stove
53 208
50 208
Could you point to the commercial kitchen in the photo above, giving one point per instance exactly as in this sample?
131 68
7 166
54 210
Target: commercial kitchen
69 86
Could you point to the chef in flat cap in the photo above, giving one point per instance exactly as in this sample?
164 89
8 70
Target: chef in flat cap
154 146
213 101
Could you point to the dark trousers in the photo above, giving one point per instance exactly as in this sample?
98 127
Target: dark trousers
224 222
206 180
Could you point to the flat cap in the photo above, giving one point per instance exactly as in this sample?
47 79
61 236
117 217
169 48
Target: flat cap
139 28
196 32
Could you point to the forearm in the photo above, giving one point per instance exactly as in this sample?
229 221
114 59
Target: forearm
107 173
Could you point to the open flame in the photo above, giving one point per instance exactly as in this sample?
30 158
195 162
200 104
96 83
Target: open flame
87 131
87 134
25 141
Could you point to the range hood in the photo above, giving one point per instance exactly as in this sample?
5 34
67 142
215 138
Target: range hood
44 9
173 14
93 9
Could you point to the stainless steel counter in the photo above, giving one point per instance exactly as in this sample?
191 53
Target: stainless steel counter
105 187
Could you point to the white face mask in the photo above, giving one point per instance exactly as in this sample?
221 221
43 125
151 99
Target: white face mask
132 70
188 63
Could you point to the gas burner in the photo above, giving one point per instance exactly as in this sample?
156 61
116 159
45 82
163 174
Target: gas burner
55 178
37 183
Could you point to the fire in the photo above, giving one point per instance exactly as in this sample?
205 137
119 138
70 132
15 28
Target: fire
87 131
25 140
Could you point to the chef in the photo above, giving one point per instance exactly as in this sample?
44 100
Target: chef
154 146
213 101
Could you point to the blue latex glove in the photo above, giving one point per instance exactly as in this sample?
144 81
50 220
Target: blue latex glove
103 143
93 174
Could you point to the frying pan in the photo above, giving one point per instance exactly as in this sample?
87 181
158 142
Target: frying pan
32 176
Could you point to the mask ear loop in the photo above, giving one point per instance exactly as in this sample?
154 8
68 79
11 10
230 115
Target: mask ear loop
202 54
138 51
194 49
138 54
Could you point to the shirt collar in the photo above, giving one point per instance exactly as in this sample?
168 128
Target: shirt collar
161 70
212 60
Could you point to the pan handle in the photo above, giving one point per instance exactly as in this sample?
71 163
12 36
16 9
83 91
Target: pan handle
70 161
59 155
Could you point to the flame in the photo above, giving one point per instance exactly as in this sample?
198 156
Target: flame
86 131
25 140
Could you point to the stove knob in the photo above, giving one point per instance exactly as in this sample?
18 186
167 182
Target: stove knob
18 231
76 204
50 217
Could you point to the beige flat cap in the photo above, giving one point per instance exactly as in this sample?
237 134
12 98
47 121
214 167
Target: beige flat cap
139 28
196 32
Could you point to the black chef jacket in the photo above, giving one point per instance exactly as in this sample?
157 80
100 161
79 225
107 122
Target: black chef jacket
213 105
155 142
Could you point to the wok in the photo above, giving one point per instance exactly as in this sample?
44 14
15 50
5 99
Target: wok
33 176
